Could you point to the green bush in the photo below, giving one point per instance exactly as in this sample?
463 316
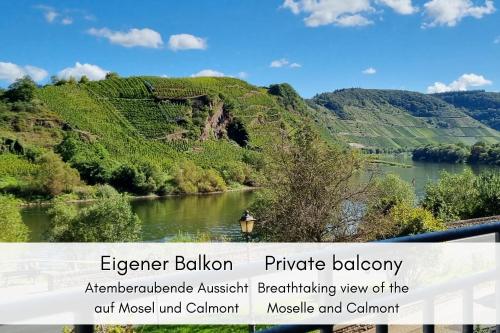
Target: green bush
488 199
453 197
190 178
391 191
108 220
12 228
90 159
54 176
143 179
236 172
409 220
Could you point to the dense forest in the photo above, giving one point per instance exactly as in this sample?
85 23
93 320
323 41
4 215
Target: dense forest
479 153
481 105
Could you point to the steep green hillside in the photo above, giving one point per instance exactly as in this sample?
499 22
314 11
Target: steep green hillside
208 120
158 134
396 119
481 105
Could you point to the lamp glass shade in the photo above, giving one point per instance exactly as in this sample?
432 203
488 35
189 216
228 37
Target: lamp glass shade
246 226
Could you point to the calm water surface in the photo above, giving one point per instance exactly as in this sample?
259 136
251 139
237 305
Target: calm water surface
218 214
166 217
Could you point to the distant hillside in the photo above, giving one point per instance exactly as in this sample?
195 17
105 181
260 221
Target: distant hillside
396 119
480 105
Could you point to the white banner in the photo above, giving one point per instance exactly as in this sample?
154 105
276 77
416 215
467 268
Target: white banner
229 283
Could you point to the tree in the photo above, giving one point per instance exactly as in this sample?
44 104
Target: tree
84 79
22 90
141 179
112 75
488 186
190 178
57 81
453 197
390 191
402 220
110 219
390 194
12 228
310 191
54 176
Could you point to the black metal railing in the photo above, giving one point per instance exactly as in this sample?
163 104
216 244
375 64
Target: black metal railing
431 237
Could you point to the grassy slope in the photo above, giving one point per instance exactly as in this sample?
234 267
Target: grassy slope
396 119
126 117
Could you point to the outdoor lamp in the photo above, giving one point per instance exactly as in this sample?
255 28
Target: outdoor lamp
246 223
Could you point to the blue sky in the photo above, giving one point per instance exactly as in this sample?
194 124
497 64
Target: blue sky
315 45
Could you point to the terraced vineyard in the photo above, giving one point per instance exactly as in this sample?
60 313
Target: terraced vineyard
154 119
396 119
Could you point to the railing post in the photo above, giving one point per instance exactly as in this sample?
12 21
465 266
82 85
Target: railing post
84 328
428 328
497 289
382 329
326 329
468 329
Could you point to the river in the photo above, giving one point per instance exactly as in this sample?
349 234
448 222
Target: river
218 214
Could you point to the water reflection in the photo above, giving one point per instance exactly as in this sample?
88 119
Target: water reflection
164 218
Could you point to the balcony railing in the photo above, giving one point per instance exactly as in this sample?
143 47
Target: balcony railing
431 237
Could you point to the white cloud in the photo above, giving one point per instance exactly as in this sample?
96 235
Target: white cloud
93 72
186 42
338 12
360 12
208 72
10 72
353 21
279 63
67 21
49 13
293 6
450 12
134 37
53 15
369 71
403 7
283 62
463 83
344 13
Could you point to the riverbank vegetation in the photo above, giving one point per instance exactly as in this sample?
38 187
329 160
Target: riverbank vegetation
110 219
313 193
11 225
464 195
479 153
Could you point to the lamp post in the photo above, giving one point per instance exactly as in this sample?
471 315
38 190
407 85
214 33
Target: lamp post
246 223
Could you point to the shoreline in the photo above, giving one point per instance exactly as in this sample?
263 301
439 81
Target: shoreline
143 197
